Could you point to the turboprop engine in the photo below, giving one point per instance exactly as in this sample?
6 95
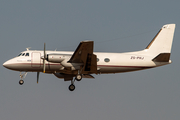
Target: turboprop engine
63 60
59 58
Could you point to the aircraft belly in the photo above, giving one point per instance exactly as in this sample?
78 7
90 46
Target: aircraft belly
19 67
124 65
119 69
36 67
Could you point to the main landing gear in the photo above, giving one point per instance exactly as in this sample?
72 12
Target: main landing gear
21 81
78 77
72 86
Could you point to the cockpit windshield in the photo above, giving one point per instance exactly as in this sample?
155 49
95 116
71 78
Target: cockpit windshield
23 54
20 54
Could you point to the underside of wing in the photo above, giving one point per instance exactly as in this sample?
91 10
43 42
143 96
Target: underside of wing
87 76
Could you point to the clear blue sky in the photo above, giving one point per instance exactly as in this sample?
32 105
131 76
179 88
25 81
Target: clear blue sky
115 26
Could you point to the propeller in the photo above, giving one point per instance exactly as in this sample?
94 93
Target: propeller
37 77
44 62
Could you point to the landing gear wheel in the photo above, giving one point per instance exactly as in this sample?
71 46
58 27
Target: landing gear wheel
21 82
78 77
72 87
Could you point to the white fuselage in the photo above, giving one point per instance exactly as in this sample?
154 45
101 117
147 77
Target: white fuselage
106 62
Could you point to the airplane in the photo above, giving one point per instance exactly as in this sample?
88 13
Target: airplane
83 62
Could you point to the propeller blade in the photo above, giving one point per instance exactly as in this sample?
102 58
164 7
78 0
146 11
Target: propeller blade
44 66
44 62
37 77
44 50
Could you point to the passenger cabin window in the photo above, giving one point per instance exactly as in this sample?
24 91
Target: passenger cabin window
97 59
106 59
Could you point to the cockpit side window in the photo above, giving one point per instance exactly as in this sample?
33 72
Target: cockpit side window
23 54
27 54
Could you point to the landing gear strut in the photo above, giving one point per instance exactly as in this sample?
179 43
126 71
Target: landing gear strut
21 81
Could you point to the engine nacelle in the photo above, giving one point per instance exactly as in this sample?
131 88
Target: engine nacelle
73 66
55 58
63 60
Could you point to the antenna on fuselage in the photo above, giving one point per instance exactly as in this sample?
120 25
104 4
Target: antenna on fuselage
28 48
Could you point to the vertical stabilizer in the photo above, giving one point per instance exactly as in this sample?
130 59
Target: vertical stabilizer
162 42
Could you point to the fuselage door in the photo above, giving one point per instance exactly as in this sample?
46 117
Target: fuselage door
36 59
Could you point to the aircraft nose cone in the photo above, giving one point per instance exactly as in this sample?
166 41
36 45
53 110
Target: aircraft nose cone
6 64
11 64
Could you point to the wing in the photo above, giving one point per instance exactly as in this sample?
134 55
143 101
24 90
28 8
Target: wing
84 54
84 48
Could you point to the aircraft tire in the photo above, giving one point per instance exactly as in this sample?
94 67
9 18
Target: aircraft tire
21 82
78 77
72 87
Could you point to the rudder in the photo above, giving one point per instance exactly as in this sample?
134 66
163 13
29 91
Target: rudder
162 42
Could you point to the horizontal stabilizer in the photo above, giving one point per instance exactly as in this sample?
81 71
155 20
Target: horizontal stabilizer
162 57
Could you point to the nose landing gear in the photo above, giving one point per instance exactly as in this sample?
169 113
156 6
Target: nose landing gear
21 81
